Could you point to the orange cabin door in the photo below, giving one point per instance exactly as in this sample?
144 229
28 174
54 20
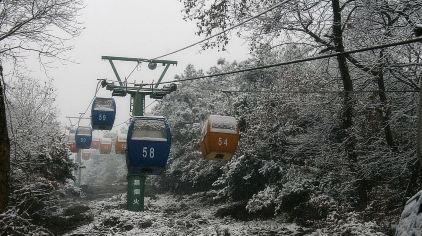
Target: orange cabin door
86 155
105 148
224 143
120 147
217 145
95 144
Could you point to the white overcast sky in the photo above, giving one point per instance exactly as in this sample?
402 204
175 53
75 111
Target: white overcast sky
128 28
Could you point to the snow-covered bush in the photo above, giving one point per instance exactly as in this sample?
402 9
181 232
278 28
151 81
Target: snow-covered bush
294 151
242 178
185 109
263 202
349 224
39 155
14 223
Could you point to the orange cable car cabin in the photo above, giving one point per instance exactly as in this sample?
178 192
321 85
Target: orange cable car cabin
105 145
220 137
120 146
71 143
95 144
86 154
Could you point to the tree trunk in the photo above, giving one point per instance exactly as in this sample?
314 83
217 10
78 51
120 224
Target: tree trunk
4 153
386 110
347 116
348 105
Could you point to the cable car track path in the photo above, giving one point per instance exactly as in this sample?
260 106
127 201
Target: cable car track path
98 192
167 214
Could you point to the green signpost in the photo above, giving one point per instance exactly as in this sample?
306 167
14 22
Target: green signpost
135 191
136 181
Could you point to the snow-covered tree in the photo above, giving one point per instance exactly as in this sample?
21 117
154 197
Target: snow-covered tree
30 26
40 163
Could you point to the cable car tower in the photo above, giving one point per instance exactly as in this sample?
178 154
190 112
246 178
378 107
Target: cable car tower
137 92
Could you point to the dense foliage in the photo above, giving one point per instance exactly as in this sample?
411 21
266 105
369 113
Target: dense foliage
317 138
39 157
291 158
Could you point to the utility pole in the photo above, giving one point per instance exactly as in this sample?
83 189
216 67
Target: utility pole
136 180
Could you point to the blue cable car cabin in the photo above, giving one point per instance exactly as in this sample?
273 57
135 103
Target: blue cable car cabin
83 137
103 112
148 144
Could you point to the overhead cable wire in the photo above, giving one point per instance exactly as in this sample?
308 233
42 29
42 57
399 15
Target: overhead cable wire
319 91
222 32
137 65
409 41
150 104
124 122
303 91
81 115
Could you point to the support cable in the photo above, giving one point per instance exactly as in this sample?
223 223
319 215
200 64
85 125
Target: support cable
150 104
222 32
305 91
124 122
414 40
92 100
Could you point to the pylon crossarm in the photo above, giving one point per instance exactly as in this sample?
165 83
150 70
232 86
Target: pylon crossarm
115 72
137 89
162 75
164 62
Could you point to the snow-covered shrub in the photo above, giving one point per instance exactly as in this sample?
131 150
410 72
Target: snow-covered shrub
314 211
291 195
284 130
185 109
297 197
242 178
14 223
236 210
263 202
39 155
350 224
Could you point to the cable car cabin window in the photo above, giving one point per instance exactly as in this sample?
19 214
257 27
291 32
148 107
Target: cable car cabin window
122 138
152 130
103 105
106 141
223 124
84 131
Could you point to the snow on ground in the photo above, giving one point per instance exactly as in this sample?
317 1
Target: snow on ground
168 214
173 215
